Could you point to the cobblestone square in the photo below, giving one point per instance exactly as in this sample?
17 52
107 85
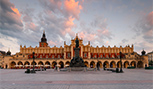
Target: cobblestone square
50 79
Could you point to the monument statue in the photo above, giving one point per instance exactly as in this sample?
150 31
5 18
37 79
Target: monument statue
77 43
77 61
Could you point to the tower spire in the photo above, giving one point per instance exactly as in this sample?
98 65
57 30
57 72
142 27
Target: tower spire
43 39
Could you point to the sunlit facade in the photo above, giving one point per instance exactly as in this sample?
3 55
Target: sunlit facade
49 57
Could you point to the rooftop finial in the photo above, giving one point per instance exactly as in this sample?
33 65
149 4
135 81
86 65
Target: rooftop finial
76 35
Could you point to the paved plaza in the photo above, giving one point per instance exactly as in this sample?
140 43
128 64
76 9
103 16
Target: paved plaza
50 79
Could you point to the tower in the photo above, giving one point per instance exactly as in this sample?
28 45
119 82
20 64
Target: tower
43 42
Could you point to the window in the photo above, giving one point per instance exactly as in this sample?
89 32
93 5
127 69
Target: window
95 56
85 54
107 56
113 56
40 56
35 56
118 56
58 56
46 56
42 44
52 56
101 56
129 56
68 54
16 55
23 55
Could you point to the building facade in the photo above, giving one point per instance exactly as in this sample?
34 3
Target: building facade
49 57
150 56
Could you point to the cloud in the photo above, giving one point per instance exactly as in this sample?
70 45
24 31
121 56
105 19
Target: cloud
8 42
72 8
98 32
11 18
28 14
124 40
30 26
139 46
58 18
145 27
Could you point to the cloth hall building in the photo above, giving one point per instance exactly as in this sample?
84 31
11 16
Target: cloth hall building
49 57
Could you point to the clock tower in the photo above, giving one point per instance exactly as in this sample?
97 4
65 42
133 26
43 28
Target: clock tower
43 42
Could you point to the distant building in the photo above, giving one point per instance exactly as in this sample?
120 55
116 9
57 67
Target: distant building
46 56
150 56
2 55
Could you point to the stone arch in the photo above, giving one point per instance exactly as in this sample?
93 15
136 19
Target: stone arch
61 64
6 66
54 63
106 64
47 64
126 64
140 64
86 64
33 63
20 63
133 63
99 63
26 63
67 64
112 64
92 64
13 64
40 63
119 64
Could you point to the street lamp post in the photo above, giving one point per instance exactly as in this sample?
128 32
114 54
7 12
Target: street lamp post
151 60
121 62
33 71
98 62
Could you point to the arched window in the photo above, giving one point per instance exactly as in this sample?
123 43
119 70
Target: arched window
40 56
68 54
101 56
46 56
95 56
53 56
85 54
113 56
58 56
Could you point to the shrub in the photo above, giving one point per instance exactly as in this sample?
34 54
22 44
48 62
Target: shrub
132 67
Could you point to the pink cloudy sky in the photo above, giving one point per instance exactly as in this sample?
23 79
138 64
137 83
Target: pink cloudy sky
103 22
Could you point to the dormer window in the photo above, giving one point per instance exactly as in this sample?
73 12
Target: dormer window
129 56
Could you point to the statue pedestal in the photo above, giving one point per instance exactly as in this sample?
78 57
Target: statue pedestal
77 68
